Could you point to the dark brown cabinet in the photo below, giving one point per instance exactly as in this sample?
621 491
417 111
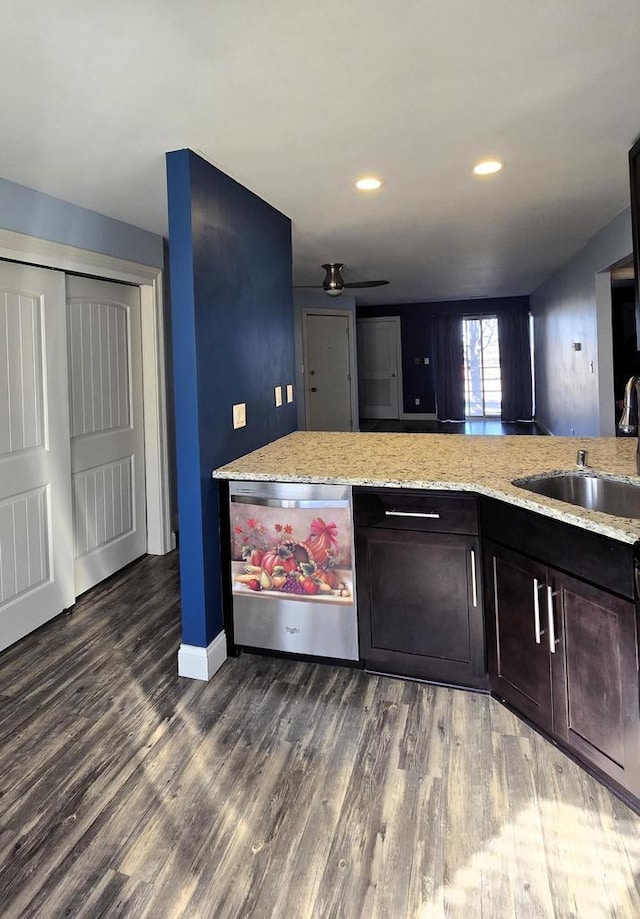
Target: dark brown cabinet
564 653
419 586
517 650
595 678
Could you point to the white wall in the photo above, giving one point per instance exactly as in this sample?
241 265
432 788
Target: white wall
317 300
574 305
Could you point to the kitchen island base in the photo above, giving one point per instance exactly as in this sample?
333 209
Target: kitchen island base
581 563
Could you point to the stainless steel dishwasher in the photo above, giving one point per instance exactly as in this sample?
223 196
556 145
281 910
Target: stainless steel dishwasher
292 568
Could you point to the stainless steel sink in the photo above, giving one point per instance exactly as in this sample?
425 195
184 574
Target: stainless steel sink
594 492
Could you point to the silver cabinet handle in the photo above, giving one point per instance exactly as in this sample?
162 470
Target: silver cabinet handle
536 609
474 582
494 561
552 630
411 514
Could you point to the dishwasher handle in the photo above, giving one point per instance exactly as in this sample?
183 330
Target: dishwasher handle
303 503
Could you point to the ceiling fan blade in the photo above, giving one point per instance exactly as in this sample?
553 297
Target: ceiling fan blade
366 283
308 286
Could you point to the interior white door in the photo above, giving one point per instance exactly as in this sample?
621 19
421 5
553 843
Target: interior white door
36 558
107 435
327 372
378 367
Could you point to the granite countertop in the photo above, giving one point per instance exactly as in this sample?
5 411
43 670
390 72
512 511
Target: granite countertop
485 465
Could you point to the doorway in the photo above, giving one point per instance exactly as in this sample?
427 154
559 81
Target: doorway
482 382
379 367
30 250
72 497
626 360
36 505
328 375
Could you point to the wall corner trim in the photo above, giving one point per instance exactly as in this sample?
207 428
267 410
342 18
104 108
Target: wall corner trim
202 663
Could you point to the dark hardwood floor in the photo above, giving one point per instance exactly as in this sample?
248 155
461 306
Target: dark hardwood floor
479 426
279 789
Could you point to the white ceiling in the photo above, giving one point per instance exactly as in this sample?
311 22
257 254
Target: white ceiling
295 99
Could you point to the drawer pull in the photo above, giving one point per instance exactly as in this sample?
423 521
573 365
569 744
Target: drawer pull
411 514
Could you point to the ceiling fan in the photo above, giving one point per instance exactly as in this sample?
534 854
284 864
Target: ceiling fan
334 283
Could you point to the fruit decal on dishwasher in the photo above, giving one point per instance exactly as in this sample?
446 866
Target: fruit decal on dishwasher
275 559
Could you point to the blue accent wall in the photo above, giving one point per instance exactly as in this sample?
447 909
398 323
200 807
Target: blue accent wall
417 377
232 322
24 210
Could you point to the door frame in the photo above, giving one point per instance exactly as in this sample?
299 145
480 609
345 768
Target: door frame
353 389
18 247
604 354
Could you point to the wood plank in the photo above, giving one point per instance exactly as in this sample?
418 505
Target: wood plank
422 746
336 750
345 888
118 897
522 829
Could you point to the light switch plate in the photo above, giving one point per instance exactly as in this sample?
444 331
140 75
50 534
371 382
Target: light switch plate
278 395
240 415
289 392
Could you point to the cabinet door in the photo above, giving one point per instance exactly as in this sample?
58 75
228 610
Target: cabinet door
595 673
420 606
517 633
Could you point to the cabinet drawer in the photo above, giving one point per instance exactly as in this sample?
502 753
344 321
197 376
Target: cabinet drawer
435 512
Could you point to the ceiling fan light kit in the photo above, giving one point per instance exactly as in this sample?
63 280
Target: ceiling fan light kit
334 283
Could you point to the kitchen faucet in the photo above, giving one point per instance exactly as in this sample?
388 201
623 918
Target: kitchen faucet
629 421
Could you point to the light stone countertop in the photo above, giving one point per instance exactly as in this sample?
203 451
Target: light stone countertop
457 462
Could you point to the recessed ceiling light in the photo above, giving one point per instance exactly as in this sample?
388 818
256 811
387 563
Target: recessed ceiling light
368 183
487 167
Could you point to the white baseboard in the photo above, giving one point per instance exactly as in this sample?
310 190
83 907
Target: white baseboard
544 428
202 663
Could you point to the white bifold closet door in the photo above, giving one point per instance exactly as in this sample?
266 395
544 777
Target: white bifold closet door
72 491
36 538
107 434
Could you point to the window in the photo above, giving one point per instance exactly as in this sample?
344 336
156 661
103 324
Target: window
482 383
